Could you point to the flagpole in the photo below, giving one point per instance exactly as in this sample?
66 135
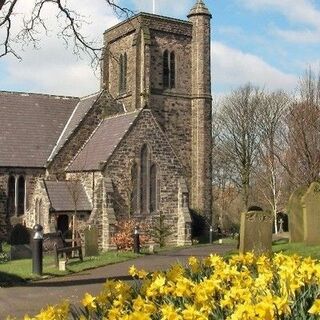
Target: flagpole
154 6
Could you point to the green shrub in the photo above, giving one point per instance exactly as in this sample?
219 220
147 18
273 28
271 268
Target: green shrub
19 235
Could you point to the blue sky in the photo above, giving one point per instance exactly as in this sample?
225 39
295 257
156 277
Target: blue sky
267 42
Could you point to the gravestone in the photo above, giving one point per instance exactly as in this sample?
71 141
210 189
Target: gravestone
256 232
295 215
311 214
20 251
20 243
91 241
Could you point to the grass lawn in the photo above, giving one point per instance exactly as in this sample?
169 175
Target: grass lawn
21 270
296 248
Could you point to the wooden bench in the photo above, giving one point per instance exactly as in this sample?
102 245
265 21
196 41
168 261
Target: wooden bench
65 247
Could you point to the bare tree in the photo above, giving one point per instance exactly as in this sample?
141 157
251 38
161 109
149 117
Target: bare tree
34 24
303 138
269 174
224 189
239 118
74 187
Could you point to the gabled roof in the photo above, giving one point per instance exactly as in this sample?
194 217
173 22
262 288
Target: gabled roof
102 142
30 125
82 108
65 195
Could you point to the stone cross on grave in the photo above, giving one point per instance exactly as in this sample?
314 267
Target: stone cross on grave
280 225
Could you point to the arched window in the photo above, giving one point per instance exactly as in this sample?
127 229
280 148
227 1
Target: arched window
36 211
166 73
21 196
125 71
172 70
122 73
169 69
153 188
41 212
11 195
144 179
134 191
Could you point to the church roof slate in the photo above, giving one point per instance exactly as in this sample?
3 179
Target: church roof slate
30 125
102 143
64 194
82 108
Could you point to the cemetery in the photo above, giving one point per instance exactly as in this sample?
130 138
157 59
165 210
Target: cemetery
150 174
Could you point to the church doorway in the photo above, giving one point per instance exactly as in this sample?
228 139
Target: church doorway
63 223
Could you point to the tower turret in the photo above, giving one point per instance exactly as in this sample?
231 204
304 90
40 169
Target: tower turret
201 109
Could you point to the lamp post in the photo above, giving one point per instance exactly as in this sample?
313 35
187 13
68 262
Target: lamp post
136 240
211 235
37 253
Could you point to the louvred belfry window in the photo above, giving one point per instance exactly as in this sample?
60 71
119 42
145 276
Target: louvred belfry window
122 73
169 70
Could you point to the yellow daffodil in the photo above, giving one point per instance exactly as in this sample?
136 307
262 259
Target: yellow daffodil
315 309
89 302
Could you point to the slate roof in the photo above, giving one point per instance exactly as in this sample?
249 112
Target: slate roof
61 197
102 142
81 109
30 125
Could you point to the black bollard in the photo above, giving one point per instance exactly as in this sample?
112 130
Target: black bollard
37 250
136 241
211 235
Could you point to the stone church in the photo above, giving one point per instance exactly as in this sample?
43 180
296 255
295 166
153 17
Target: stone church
141 146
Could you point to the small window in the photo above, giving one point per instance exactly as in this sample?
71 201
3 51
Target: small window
41 212
144 185
153 188
169 70
122 73
172 69
166 74
11 196
21 196
134 189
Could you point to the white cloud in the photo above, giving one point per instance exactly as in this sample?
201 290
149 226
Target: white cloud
299 11
53 68
298 36
232 68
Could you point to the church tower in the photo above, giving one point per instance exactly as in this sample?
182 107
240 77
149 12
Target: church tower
201 110
163 64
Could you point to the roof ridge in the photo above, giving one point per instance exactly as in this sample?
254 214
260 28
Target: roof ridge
91 95
25 94
123 114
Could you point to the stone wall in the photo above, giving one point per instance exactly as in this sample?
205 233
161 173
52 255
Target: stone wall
42 216
31 176
174 117
121 46
118 168
181 46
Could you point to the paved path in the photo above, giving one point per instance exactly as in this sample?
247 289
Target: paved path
30 298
